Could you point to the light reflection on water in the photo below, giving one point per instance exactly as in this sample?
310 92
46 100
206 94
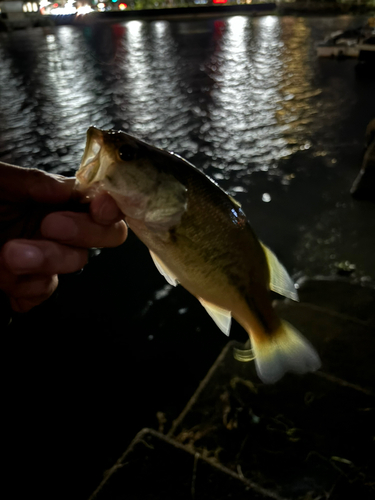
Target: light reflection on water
243 98
155 102
247 95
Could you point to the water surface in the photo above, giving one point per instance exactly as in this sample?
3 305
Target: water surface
243 98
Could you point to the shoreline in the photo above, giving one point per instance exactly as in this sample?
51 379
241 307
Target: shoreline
260 9
296 8
173 13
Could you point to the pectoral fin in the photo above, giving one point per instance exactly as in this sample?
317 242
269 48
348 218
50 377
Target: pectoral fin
162 268
222 317
280 281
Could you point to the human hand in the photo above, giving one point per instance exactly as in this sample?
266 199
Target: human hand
44 232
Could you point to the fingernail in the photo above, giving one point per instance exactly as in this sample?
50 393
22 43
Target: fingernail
24 257
60 227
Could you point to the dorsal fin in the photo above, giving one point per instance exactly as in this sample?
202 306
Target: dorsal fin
233 200
280 281
222 317
162 268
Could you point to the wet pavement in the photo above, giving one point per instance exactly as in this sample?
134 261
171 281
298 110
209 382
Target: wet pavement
246 100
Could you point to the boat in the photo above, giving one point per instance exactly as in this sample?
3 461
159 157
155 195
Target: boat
341 44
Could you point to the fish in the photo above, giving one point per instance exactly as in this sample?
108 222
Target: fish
199 237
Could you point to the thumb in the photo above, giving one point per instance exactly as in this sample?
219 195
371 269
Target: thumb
18 184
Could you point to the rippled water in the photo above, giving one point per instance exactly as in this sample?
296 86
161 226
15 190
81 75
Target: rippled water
243 98
237 90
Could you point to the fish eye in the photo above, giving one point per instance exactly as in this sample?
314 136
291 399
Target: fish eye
126 153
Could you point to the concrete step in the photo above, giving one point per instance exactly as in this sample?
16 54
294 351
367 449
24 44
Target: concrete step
340 296
304 437
157 467
346 348
339 319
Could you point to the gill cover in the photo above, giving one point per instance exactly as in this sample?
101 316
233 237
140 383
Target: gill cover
131 171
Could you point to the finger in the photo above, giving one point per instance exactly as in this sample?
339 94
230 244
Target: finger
31 291
18 184
51 188
23 304
79 229
26 291
104 209
34 286
42 257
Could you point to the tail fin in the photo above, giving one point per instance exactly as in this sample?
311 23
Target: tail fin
286 351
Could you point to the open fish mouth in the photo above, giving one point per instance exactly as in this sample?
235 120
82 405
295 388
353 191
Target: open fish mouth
91 165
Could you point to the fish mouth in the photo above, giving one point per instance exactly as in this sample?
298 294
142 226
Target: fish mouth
92 166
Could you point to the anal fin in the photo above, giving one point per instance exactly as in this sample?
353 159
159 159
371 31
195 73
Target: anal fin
222 317
162 268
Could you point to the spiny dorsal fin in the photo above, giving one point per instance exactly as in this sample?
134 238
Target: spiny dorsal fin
162 268
280 281
222 317
233 200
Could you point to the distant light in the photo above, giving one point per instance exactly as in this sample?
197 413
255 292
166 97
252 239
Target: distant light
122 6
67 10
266 197
85 9
101 6
269 21
219 1
200 2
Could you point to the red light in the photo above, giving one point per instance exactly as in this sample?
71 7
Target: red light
219 1
122 6
55 5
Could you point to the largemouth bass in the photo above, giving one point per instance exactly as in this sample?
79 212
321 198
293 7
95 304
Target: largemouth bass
199 236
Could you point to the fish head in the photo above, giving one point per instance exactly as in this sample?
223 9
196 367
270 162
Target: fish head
136 174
